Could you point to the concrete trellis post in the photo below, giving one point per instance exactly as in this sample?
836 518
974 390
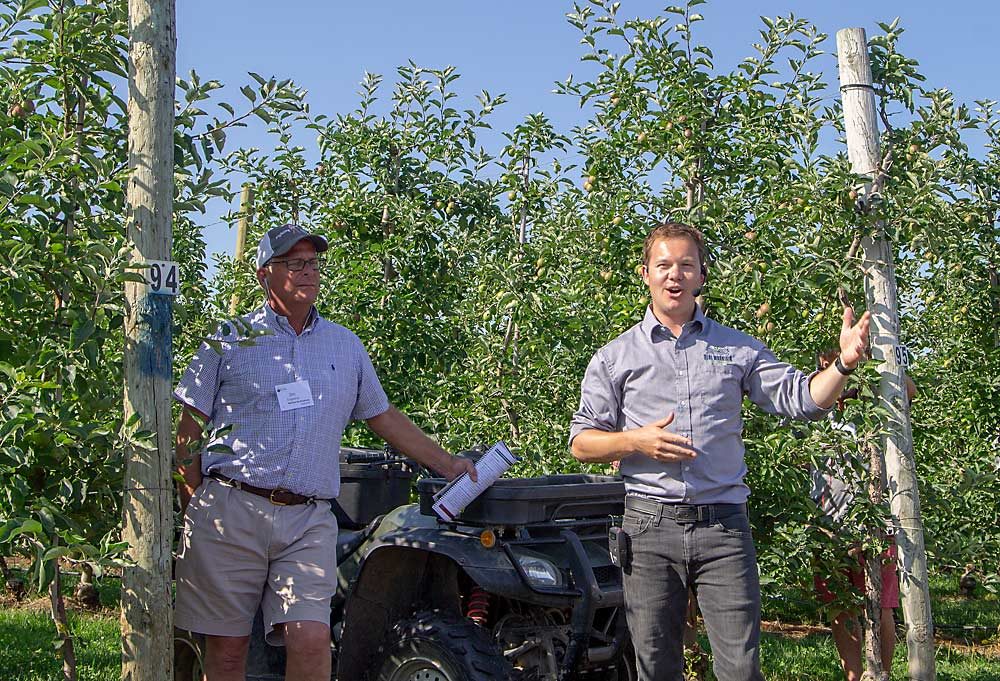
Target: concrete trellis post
880 292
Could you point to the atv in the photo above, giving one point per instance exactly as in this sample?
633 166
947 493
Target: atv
519 586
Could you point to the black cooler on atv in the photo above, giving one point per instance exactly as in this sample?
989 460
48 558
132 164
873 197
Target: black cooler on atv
372 483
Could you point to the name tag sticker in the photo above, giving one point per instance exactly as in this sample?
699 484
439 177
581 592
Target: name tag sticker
294 395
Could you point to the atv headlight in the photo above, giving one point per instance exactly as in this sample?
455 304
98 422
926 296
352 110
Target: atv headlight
539 571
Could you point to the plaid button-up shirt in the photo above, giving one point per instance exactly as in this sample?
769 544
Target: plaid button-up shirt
702 377
296 449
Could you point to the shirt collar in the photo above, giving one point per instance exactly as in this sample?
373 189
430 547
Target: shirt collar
650 324
276 321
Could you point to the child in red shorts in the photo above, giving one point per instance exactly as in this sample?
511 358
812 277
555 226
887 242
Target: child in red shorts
834 494
846 628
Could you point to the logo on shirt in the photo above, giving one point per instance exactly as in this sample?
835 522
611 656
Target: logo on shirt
718 355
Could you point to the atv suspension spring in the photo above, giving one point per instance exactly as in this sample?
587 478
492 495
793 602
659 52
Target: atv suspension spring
478 609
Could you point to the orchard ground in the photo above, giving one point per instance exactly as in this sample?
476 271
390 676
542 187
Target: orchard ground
796 645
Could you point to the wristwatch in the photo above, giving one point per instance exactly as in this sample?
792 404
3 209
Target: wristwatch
843 369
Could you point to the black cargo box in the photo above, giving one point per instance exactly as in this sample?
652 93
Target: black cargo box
523 501
370 486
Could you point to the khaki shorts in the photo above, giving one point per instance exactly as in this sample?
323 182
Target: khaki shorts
239 551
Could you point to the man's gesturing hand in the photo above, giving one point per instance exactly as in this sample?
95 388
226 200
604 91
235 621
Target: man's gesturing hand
658 443
854 337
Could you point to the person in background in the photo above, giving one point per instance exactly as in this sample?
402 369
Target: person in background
833 492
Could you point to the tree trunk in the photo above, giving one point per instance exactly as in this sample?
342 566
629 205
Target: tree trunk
147 614
696 659
873 577
242 227
995 305
57 609
880 293
74 116
389 273
511 335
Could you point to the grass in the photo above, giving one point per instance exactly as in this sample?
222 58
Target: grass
956 618
27 652
968 642
968 634
814 657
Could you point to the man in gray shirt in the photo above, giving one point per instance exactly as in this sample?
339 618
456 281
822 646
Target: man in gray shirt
258 529
664 399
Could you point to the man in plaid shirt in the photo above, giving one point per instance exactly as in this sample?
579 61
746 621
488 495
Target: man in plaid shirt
258 529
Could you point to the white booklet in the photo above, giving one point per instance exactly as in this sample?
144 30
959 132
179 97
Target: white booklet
462 491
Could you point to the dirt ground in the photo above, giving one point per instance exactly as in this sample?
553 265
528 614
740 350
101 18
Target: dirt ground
41 604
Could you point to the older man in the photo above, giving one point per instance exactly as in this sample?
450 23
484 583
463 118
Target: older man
664 398
258 530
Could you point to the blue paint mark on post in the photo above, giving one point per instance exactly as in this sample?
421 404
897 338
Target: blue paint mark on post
154 342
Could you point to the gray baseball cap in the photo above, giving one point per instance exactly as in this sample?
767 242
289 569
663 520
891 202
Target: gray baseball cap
279 240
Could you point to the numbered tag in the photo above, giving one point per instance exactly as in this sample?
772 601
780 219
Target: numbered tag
902 356
163 277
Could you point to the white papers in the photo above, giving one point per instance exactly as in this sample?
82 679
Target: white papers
460 492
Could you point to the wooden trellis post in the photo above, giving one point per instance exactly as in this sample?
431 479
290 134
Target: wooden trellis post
147 610
880 293
242 227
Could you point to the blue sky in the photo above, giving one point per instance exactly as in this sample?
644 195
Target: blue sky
521 48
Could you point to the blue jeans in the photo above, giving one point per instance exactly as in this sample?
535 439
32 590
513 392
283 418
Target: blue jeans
707 548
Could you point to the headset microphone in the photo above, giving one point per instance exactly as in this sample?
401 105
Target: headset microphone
704 273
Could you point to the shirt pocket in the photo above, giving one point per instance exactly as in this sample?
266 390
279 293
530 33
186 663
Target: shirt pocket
724 369
722 387
267 402
250 376
333 380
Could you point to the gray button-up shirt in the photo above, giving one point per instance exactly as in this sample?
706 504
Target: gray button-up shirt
702 377
297 449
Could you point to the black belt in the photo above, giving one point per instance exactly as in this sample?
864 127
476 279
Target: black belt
278 497
683 513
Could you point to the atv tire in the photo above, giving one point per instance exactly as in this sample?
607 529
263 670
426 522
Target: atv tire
435 646
189 656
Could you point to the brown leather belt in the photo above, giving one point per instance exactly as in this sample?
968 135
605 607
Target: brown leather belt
278 497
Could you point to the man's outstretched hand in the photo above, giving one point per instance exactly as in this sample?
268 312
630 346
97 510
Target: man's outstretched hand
854 337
